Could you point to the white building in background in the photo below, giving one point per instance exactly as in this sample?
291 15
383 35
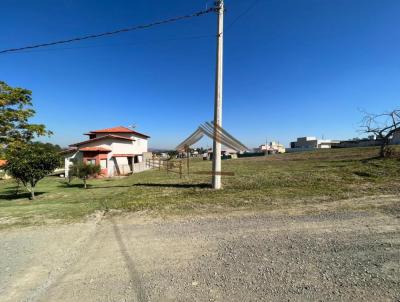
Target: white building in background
272 147
311 142
117 150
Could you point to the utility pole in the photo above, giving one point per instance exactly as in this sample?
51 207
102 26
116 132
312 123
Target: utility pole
266 146
216 176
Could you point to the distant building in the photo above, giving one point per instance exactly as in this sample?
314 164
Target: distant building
360 142
225 153
272 147
396 137
311 142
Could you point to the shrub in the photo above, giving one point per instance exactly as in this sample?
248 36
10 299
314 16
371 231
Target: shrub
83 171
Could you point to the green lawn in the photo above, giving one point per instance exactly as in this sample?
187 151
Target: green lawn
259 183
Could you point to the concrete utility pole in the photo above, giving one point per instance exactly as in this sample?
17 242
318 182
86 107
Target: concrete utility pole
216 177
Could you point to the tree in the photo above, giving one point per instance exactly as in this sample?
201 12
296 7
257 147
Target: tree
83 171
48 146
30 163
15 112
383 126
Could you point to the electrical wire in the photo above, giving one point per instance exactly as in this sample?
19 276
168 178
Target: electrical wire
114 44
118 31
248 9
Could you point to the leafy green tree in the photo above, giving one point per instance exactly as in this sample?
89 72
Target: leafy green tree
15 112
30 163
83 171
48 146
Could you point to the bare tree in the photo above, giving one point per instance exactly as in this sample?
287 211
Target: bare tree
383 126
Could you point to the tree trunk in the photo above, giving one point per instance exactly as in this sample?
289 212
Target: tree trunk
385 143
382 150
32 194
17 189
84 183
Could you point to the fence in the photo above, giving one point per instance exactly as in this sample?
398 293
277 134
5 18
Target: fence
167 165
177 166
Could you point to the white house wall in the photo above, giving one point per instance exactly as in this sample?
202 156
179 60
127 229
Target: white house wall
69 160
103 144
141 145
123 147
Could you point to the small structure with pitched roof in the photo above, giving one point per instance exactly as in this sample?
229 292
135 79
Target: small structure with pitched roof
116 150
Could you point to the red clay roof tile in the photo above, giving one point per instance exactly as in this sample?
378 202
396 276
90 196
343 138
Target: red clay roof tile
119 129
101 138
101 149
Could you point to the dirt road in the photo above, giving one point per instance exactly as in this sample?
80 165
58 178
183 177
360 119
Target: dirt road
347 256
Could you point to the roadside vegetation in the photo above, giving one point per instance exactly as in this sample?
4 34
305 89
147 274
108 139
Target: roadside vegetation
308 179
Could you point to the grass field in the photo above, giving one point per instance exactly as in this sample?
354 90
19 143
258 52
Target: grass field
287 180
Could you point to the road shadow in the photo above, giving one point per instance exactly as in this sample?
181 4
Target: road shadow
91 186
174 185
109 187
133 273
160 185
67 185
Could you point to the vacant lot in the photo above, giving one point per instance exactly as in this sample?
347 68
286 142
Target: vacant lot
305 181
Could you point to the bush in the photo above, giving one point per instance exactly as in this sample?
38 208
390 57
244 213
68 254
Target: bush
83 171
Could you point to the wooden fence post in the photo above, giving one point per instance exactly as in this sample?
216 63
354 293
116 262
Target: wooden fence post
180 169
159 163
188 160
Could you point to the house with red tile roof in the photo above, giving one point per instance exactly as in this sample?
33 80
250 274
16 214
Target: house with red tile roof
116 150
3 174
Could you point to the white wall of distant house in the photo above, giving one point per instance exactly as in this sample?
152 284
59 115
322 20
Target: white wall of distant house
138 146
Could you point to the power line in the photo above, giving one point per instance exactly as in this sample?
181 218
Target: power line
115 44
249 8
118 31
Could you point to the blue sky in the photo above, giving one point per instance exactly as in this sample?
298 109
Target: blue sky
291 67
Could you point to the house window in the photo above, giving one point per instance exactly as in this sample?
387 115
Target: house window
103 163
91 161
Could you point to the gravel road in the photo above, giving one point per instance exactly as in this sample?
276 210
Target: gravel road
331 256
